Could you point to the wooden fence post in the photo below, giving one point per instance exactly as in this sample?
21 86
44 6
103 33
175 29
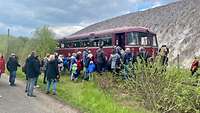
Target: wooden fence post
178 61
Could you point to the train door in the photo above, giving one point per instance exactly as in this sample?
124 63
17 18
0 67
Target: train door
120 40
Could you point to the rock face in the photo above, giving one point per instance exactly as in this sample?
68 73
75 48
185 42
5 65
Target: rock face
176 24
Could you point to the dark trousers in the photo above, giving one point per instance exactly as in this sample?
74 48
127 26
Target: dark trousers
36 80
30 86
100 67
45 76
12 77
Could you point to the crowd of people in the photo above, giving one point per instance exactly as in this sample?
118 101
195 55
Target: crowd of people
80 65
33 67
87 63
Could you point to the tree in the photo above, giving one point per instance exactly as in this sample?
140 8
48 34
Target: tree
44 41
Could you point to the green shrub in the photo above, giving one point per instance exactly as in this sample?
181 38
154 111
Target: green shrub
168 90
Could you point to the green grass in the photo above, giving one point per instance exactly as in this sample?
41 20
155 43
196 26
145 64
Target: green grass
86 96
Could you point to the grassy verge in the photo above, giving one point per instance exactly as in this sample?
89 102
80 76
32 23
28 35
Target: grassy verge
86 96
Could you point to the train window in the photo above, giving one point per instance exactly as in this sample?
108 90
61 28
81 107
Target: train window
81 43
69 44
144 41
154 41
74 44
62 45
132 38
107 42
94 44
77 43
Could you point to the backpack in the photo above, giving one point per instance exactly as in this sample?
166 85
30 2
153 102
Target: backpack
87 62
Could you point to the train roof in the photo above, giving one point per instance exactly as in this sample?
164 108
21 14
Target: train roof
109 31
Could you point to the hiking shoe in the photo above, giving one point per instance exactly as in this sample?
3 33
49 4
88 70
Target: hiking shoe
54 93
12 85
47 92
32 96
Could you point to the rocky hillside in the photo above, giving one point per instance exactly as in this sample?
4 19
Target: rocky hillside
176 24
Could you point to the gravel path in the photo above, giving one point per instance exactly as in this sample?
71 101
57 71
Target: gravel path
14 100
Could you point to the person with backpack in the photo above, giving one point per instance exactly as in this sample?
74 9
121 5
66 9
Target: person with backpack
65 63
100 59
68 61
12 65
84 57
2 65
115 61
32 71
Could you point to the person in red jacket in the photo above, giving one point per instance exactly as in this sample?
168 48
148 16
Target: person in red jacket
195 65
79 65
2 65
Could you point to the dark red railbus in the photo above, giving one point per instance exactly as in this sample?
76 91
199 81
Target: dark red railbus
125 37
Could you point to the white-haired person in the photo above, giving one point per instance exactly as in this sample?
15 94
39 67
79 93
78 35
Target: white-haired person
128 60
52 74
12 65
73 65
88 60
143 54
115 61
91 69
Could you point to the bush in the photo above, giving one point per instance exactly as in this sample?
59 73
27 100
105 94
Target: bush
169 90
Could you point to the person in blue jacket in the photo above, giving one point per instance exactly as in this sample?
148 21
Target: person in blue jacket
91 69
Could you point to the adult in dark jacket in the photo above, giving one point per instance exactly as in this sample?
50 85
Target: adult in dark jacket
84 57
32 70
100 59
12 65
128 59
52 74
24 69
45 62
143 54
38 65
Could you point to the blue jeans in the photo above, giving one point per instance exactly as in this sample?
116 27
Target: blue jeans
12 77
30 85
54 81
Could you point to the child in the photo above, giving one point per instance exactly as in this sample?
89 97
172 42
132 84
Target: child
91 69
74 74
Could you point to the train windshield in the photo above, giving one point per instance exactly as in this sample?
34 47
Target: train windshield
142 38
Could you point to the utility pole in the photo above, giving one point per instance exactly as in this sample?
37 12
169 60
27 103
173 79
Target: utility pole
178 61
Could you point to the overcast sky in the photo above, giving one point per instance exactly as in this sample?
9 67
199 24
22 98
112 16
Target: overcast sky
64 16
